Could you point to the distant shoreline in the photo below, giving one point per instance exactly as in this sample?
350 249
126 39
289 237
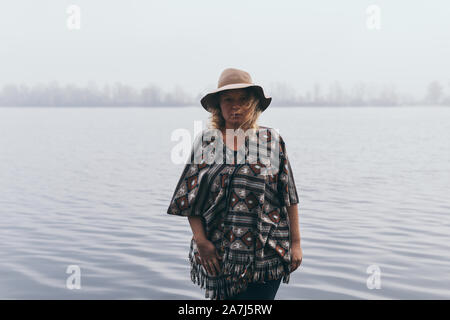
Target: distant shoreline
277 106
122 95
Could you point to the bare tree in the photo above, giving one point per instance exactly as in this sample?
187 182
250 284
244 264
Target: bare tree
434 93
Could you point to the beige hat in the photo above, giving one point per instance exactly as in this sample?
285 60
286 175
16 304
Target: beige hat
231 78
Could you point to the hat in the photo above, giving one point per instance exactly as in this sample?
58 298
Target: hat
232 78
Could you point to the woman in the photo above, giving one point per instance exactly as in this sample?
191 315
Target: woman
243 213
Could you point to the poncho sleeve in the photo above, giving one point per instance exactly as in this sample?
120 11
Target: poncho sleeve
185 200
286 183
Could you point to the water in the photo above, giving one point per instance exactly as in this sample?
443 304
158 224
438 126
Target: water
90 187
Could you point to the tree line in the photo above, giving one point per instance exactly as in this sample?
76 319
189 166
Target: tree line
119 94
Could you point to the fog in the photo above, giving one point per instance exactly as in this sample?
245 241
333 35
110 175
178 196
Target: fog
185 44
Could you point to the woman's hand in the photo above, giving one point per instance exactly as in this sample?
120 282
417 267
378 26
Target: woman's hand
209 257
296 256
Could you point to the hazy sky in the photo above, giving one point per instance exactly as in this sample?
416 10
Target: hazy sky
188 43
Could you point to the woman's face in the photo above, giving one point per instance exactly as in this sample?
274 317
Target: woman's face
232 104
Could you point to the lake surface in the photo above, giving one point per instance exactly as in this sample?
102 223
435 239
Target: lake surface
90 187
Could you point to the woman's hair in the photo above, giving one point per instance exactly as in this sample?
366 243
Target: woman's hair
253 111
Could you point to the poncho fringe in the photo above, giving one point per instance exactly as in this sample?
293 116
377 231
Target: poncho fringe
237 279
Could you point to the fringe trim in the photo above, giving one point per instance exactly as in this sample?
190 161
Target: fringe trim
234 278
272 271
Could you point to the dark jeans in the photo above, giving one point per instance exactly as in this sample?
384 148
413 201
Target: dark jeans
259 291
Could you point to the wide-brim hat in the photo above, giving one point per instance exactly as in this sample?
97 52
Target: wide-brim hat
232 78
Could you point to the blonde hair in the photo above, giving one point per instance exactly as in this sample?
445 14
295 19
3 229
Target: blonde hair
217 121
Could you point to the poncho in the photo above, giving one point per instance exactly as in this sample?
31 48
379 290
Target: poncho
243 210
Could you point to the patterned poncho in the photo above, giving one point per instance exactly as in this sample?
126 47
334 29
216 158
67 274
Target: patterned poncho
243 205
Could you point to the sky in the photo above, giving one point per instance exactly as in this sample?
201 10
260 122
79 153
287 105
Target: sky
188 43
